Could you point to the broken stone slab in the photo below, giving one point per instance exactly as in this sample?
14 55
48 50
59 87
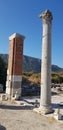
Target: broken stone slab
57 115
3 97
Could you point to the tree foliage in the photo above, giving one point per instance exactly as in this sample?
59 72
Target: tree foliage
56 77
3 71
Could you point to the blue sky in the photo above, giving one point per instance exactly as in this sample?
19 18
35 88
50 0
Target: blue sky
21 16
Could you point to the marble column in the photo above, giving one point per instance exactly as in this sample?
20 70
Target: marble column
45 101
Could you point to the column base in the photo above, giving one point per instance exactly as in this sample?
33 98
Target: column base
44 110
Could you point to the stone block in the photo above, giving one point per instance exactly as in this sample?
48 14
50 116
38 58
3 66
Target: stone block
3 97
57 114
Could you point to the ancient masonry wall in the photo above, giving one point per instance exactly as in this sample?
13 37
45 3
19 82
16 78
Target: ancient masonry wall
14 71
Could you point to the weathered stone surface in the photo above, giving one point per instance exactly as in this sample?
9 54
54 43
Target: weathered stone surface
46 16
14 72
45 103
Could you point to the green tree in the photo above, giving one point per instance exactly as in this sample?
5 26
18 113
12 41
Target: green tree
3 71
57 77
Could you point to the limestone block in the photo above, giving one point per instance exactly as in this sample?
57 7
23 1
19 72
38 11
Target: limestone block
3 97
57 114
16 95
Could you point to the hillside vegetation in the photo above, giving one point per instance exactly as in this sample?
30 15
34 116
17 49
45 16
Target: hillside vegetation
3 72
36 77
30 77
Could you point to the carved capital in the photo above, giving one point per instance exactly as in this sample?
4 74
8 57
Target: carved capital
46 16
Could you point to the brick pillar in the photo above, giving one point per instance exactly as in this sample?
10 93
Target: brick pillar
15 60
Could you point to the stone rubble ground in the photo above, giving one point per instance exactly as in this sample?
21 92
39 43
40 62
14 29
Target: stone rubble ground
19 115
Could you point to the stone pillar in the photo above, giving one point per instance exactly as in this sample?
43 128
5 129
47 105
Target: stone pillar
15 61
45 102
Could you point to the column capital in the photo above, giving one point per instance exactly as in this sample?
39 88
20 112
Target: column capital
46 16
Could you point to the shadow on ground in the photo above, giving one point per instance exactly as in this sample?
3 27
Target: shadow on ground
29 102
2 127
53 93
57 106
26 107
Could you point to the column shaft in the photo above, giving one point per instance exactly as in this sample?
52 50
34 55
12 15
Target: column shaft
45 102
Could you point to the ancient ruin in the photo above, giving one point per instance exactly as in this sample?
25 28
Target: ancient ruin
45 101
14 72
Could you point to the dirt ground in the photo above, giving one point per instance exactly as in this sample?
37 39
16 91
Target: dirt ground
18 117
